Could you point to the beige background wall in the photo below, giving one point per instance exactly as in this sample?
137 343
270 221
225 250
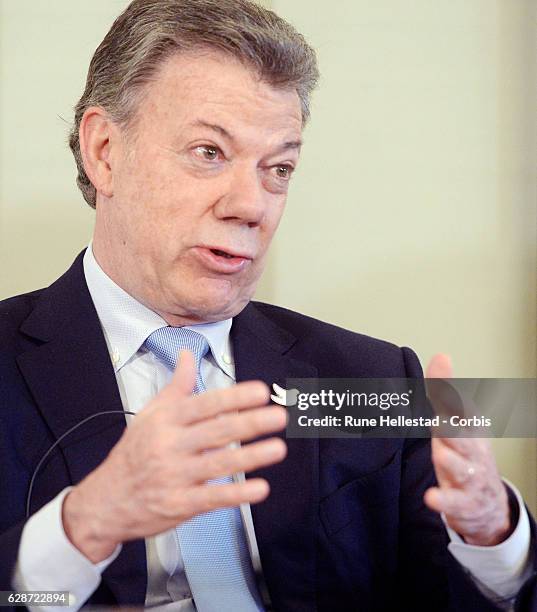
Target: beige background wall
413 215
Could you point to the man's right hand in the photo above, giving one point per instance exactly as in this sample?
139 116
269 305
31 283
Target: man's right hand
155 476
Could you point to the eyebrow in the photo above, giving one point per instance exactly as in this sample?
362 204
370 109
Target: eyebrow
293 144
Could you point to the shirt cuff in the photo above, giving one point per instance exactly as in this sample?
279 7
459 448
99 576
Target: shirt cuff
47 561
503 568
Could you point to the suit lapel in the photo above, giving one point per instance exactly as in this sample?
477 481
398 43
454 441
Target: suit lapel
285 523
70 376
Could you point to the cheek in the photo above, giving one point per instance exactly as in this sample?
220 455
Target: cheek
156 209
272 220
147 177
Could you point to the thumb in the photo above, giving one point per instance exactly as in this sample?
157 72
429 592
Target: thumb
184 377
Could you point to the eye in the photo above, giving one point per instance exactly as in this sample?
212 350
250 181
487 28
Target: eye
208 152
284 172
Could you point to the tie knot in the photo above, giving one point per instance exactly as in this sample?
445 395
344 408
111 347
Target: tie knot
166 342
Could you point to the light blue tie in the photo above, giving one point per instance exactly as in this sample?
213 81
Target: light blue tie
213 545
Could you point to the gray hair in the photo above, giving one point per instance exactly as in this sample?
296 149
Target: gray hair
149 32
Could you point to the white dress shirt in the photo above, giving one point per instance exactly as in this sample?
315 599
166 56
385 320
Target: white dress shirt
53 563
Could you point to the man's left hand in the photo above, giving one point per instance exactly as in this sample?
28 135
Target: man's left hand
470 491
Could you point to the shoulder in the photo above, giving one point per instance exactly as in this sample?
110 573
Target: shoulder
14 311
304 326
336 347
13 343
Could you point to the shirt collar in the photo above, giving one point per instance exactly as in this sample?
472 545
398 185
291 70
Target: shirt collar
127 323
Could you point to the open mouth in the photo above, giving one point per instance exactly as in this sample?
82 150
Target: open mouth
222 254
222 262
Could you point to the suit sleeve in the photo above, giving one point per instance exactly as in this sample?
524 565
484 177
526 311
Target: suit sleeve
499 571
48 561
424 556
9 546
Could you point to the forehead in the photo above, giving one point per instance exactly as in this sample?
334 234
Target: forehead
213 88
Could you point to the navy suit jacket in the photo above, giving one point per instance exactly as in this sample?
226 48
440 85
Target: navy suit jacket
344 527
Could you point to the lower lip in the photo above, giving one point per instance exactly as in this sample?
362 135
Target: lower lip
222 265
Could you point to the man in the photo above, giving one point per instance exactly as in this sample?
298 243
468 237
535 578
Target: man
186 138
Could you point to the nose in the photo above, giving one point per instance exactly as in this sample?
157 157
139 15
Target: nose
245 199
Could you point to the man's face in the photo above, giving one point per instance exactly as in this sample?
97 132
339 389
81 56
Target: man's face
199 190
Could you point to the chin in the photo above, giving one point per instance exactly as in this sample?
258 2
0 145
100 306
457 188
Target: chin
217 301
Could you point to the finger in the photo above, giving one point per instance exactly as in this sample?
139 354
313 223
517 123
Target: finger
207 497
247 395
440 367
179 389
451 468
244 426
443 398
184 377
473 449
224 462
452 502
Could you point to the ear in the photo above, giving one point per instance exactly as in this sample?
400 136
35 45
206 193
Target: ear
96 140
